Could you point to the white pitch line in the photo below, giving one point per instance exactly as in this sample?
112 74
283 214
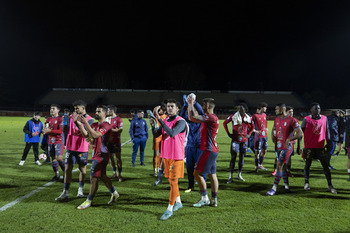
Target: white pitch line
18 200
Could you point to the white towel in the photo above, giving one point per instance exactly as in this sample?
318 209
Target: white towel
237 119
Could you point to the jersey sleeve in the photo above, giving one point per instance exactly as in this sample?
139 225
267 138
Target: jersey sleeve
120 123
104 129
209 119
295 123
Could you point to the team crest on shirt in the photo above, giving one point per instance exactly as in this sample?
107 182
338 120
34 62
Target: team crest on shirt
316 129
285 123
279 144
55 122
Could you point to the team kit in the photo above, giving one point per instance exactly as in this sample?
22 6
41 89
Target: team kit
183 135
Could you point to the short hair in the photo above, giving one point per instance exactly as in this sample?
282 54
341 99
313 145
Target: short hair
140 110
104 108
262 105
112 107
56 106
66 110
244 105
37 114
314 104
210 101
79 103
163 105
281 105
173 101
289 108
132 111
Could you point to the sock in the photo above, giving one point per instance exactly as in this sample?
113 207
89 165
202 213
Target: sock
349 172
66 186
204 194
170 208
214 194
115 193
285 180
155 170
230 177
178 199
277 180
61 163
112 190
256 162
90 197
55 166
81 184
114 170
119 170
261 160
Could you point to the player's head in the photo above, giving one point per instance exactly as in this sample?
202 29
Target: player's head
335 112
140 113
54 109
79 106
162 109
66 111
341 113
280 109
101 112
242 108
132 112
112 109
262 107
208 104
290 111
315 109
172 107
36 115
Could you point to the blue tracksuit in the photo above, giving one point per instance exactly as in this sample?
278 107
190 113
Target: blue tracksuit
139 134
192 150
333 131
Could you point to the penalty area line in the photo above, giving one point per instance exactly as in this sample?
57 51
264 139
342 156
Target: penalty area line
18 200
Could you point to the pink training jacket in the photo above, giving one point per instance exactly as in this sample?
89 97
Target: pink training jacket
173 147
315 132
75 140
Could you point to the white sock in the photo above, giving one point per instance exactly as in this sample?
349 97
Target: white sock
348 170
205 198
274 187
239 174
230 177
115 193
170 208
155 170
178 199
286 186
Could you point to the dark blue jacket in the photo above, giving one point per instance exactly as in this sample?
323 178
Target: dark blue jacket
138 128
30 127
194 138
333 128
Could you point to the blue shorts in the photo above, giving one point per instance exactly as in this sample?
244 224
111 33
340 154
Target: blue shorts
239 147
55 150
98 167
73 157
206 163
283 155
260 143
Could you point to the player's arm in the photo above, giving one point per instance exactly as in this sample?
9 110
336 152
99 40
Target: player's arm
119 128
192 112
183 112
199 108
157 131
146 128
85 126
226 121
251 129
273 136
26 129
179 127
298 134
131 130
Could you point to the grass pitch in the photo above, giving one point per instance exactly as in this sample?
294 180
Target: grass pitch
242 206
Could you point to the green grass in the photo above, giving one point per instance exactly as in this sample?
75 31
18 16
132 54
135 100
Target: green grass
242 206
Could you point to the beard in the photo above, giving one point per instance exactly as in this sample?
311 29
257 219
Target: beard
97 117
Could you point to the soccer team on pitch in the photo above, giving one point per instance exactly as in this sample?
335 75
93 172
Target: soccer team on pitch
191 132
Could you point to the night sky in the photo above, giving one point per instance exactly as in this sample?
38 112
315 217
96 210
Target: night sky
300 46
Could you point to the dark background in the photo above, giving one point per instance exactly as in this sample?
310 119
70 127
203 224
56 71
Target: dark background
300 46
